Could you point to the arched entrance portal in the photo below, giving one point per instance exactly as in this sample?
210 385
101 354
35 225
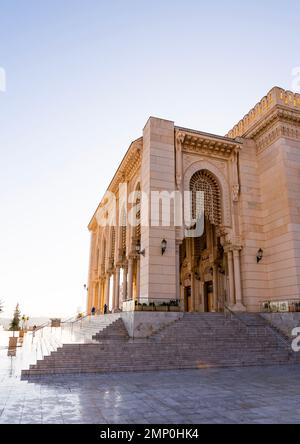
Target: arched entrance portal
203 267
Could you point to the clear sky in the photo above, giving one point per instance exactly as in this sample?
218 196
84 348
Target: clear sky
83 76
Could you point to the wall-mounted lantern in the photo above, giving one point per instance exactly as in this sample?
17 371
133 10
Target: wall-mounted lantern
164 245
138 249
260 255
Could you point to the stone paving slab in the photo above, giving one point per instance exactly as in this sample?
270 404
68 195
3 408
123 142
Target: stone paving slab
235 395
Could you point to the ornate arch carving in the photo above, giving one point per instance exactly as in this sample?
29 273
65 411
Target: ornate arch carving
205 182
222 182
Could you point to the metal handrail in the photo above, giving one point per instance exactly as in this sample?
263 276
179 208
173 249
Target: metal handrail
66 321
235 316
80 319
41 327
268 326
279 335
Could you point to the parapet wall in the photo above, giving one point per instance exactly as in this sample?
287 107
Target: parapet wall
276 97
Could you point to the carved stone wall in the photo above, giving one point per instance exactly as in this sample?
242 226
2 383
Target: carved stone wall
203 181
225 201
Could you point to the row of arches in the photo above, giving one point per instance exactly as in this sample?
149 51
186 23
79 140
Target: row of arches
208 269
115 263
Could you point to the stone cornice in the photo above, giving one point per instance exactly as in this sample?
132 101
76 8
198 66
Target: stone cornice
277 104
129 166
126 171
278 129
279 122
198 142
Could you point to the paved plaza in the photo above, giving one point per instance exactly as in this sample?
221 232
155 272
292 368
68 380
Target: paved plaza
232 395
239 395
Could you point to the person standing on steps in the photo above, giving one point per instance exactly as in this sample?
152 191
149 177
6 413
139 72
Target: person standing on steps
93 311
105 309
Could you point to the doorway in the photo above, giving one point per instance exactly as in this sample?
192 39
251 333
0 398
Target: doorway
187 299
208 296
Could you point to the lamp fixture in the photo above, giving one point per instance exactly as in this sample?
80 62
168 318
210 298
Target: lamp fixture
138 249
260 255
164 245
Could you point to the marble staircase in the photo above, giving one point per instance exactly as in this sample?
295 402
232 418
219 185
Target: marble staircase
194 341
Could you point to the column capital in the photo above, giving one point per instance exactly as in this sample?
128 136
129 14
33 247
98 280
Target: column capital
232 248
236 249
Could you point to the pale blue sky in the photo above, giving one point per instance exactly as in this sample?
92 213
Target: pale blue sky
82 79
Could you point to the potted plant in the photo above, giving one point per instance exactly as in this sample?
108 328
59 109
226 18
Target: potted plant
138 306
152 306
297 307
164 306
146 307
174 306
15 326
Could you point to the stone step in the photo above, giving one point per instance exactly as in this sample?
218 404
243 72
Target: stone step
194 341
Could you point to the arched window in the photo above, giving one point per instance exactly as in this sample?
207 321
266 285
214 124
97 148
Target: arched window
203 181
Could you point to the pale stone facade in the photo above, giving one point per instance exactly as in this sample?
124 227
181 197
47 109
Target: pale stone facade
251 185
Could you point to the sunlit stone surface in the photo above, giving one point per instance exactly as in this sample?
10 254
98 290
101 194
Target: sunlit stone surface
255 395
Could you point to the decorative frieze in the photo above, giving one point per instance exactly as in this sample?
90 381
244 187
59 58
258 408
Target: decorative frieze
202 143
129 166
277 97
276 132
276 116
235 192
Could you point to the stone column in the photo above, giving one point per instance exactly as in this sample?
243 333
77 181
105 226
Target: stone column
138 278
95 298
231 278
202 303
193 292
177 271
102 294
130 279
125 276
98 306
215 288
237 280
197 295
107 288
116 304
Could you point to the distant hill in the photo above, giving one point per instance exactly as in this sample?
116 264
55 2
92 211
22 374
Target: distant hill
33 321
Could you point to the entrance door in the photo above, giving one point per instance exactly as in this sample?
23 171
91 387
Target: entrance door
187 299
208 296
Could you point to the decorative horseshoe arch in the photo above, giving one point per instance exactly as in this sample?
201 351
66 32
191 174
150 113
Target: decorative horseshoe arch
223 185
